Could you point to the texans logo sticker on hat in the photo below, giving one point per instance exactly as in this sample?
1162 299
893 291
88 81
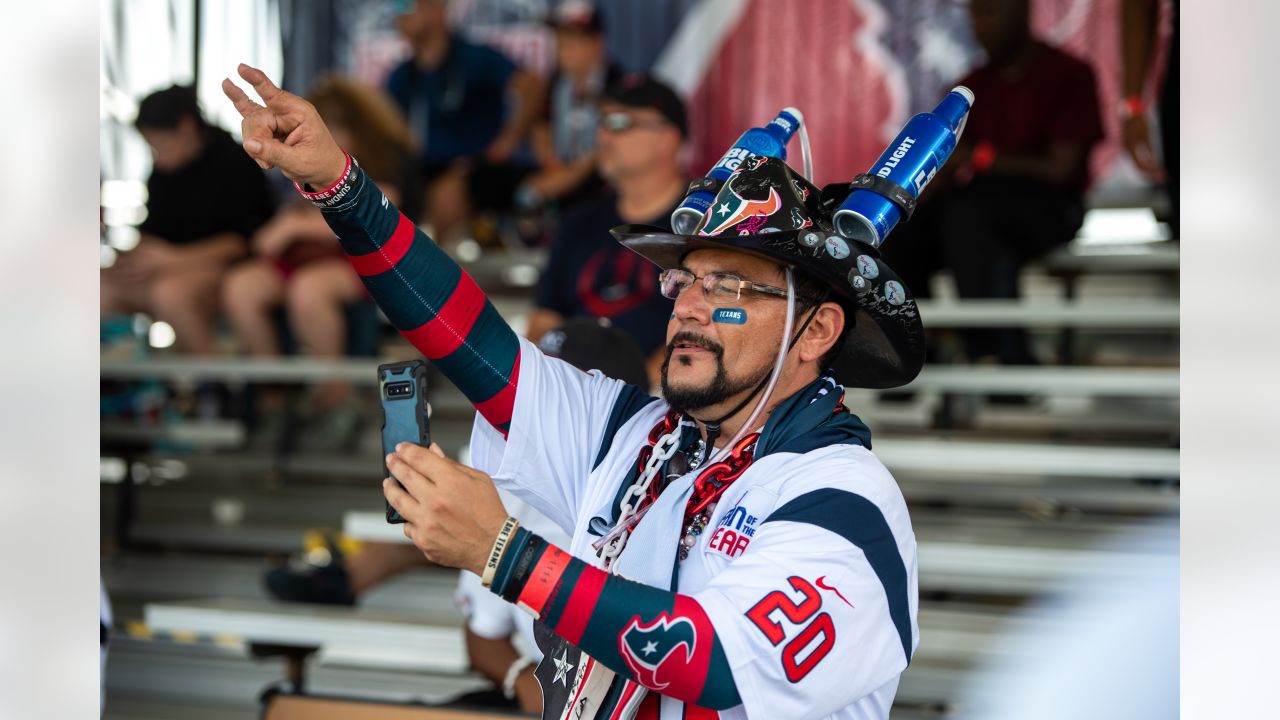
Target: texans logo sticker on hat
867 267
837 247
894 293
811 239
859 283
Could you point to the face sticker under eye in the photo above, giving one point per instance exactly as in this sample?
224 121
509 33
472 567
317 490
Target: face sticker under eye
733 316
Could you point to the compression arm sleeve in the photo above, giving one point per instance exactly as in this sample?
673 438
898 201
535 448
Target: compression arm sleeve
433 302
660 639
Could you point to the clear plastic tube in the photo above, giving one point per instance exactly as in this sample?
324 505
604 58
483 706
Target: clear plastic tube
746 427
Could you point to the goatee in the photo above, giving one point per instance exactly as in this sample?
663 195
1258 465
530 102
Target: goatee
689 399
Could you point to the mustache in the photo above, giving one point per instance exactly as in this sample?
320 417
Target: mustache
684 337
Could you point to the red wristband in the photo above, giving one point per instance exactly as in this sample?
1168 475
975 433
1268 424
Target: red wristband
983 157
332 194
1132 106
543 580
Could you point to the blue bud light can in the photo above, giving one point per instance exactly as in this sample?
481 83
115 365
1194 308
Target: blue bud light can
770 140
910 162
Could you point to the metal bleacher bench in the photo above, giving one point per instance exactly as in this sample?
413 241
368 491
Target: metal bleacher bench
1126 382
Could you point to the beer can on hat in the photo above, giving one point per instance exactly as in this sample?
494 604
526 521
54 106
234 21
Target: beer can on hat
910 162
770 140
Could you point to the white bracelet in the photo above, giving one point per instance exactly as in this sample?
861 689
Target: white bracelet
499 547
513 672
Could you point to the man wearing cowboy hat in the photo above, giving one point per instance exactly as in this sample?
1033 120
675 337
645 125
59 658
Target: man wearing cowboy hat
736 547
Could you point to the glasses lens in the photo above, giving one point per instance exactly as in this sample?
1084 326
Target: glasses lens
723 288
616 122
674 282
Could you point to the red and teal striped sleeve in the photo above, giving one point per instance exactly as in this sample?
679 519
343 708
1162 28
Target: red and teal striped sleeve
432 301
660 639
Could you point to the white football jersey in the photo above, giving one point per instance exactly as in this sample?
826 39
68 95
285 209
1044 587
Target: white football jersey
806 569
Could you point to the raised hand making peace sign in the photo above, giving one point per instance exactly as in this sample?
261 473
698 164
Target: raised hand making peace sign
288 133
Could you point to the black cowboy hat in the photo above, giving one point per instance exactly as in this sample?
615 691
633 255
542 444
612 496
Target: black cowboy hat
767 209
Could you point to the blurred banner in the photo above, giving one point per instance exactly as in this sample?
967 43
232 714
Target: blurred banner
858 69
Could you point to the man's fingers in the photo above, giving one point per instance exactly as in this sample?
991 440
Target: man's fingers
424 460
403 502
411 475
260 82
244 105
265 150
436 449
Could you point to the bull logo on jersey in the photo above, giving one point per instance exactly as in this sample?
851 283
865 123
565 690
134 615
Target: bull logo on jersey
732 208
654 652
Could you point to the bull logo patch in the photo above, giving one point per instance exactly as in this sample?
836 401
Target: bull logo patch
660 652
732 209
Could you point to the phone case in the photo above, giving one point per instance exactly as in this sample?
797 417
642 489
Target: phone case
402 389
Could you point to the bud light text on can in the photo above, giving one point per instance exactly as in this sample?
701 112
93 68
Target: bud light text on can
910 161
770 140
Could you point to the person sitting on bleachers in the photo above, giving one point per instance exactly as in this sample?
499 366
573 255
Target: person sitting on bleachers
470 110
1020 173
297 263
205 198
564 138
641 128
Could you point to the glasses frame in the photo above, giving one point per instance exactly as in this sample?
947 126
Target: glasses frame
632 123
710 280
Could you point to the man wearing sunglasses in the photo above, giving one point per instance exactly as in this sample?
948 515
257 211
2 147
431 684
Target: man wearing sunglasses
640 130
736 548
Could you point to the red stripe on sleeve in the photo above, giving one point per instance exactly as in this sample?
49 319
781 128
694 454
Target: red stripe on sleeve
543 579
582 602
499 408
690 684
391 252
444 333
693 712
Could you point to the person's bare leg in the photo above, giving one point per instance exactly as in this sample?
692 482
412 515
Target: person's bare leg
376 562
187 299
315 298
448 207
117 295
249 294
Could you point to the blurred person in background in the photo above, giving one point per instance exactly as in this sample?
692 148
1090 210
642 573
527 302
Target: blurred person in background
297 263
1140 26
642 126
564 138
1015 189
205 199
470 110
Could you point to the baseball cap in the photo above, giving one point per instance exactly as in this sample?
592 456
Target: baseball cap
591 344
642 91
578 16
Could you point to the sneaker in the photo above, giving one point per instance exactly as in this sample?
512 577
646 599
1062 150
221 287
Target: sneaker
318 576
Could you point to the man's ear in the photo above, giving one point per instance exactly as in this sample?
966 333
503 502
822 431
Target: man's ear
823 332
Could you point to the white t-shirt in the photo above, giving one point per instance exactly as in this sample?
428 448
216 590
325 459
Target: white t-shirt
807 568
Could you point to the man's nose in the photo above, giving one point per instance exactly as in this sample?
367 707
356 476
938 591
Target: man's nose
692 305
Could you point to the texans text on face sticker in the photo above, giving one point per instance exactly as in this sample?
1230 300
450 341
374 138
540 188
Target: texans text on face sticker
733 316
867 267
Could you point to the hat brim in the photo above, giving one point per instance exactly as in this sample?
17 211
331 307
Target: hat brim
885 346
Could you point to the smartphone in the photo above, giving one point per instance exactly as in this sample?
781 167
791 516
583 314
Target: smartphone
402 387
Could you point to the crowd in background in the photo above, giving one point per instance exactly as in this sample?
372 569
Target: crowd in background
463 139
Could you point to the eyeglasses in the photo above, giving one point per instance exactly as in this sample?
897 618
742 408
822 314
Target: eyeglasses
621 122
719 288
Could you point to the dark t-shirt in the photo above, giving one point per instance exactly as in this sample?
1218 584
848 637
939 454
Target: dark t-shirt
220 191
1054 99
456 110
589 274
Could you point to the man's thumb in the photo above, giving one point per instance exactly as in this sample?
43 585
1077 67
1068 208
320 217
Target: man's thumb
268 152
